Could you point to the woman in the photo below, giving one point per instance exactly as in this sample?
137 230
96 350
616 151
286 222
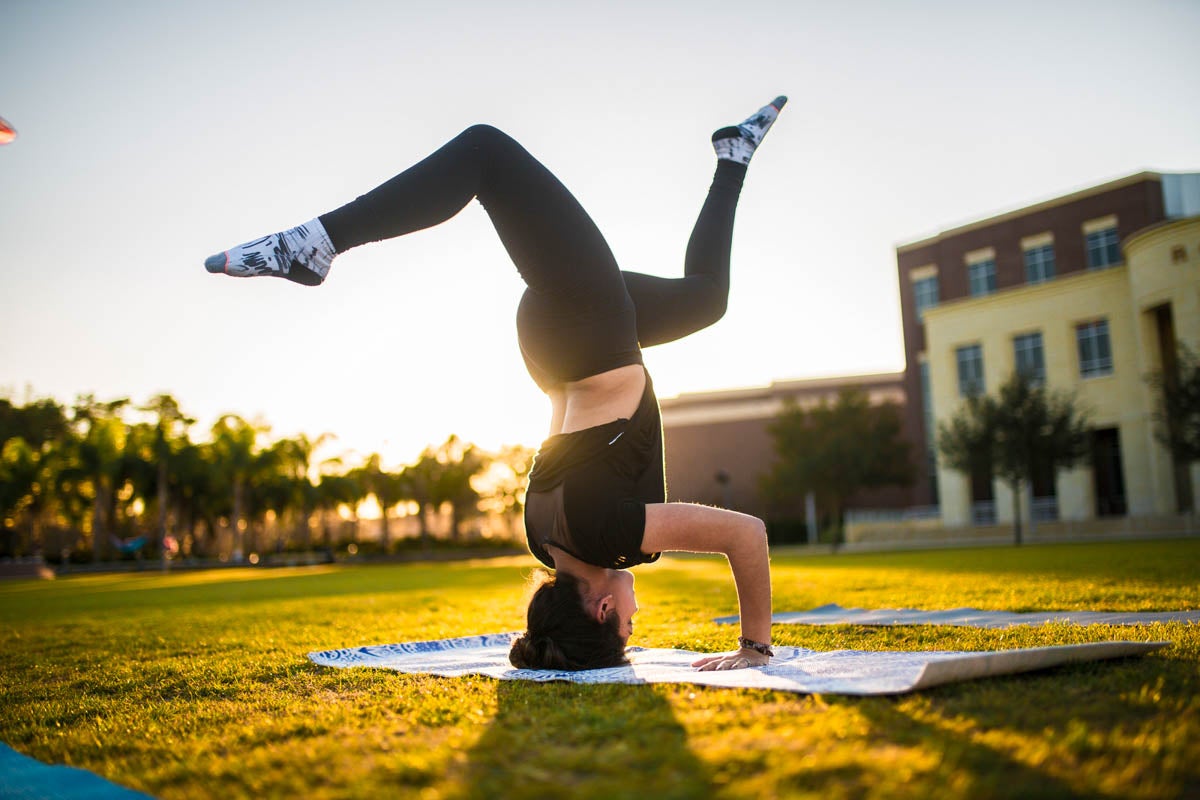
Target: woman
596 503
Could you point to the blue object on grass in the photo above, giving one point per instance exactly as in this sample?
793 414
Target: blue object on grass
25 778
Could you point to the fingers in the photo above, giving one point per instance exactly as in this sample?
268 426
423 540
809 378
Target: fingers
723 662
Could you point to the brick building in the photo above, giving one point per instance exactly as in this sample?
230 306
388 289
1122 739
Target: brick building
1088 292
718 445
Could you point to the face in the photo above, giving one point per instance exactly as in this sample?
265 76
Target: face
623 601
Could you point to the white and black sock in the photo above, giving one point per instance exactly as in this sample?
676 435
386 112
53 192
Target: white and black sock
738 142
301 254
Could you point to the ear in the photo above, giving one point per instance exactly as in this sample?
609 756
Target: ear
604 605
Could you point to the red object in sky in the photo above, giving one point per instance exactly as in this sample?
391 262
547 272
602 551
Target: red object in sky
7 132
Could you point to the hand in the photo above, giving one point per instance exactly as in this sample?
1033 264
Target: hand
740 660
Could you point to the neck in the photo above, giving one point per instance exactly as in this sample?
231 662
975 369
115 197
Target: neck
565 562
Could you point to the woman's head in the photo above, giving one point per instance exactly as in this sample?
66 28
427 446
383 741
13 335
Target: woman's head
573 625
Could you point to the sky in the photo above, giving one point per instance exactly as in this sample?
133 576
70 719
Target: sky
151 135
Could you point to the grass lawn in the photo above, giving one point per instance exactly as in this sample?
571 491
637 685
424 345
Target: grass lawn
196 685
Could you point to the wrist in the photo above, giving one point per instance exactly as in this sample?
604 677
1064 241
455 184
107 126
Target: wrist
759 647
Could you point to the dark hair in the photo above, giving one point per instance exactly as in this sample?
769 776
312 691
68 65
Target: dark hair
562 634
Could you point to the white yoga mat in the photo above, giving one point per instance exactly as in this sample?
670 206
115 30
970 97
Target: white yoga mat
834 614
793 669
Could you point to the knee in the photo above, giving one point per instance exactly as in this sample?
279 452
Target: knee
713 302
486 136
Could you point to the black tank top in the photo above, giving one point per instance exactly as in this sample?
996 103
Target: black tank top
588 489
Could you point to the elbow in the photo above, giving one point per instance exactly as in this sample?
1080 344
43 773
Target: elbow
754 535
760 532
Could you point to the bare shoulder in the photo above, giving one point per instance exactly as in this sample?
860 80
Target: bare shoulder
698 529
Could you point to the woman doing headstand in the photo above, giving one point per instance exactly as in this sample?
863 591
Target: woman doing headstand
596 501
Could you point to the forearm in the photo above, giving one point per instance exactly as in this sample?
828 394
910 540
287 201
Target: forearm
751 565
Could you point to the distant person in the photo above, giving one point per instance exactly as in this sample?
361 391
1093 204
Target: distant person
596 502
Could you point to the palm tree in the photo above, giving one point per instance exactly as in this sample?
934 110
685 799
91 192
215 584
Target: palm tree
388 488
457 462
334 491
234 446
99 459
170 431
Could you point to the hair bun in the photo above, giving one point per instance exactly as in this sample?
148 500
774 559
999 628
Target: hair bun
537 652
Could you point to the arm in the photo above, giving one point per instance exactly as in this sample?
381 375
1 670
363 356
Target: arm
743 540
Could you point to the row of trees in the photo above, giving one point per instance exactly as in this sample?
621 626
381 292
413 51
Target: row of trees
103 477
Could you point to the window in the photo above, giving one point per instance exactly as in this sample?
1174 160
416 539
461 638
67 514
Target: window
925 290
970 369
1103 249
1095 349
1030 361
1039 264
982 277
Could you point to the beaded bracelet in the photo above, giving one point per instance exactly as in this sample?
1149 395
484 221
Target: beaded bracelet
758 647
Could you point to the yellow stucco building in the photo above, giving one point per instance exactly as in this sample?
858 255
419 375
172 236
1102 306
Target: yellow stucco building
1098 333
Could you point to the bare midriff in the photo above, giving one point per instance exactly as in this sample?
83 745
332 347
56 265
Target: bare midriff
597 399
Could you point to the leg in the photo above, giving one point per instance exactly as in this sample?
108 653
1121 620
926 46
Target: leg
551 239
575 320
554 244
671 308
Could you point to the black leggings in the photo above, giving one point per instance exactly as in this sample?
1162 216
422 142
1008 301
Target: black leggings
580 314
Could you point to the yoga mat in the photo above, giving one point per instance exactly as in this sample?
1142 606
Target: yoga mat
834 614
793 669
25 778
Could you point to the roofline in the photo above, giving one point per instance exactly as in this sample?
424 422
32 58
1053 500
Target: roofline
1005 216
776 388
1159 227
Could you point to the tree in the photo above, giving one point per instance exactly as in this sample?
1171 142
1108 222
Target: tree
505 481
235 447
388 488
1023 428
1179 414
457 463
100 459
170 427
836 450
334 491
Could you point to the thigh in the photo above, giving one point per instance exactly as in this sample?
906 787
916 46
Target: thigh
554 244
671 308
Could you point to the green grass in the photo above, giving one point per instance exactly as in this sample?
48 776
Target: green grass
196 685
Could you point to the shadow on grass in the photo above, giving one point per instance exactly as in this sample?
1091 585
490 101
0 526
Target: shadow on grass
567 740
1067 721
974 769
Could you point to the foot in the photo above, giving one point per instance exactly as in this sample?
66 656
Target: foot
738 142
302 254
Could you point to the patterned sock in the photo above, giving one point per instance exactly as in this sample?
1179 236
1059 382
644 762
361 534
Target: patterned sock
302 254
738 142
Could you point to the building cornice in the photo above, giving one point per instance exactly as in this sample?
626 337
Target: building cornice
1165 227
780 388
1023 211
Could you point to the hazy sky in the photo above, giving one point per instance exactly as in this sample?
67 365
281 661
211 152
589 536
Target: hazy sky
153 134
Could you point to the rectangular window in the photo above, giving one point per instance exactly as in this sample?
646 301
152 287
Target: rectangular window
1030 360
1103 249
1039 264
925 291
1095 349
981 276
970 369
